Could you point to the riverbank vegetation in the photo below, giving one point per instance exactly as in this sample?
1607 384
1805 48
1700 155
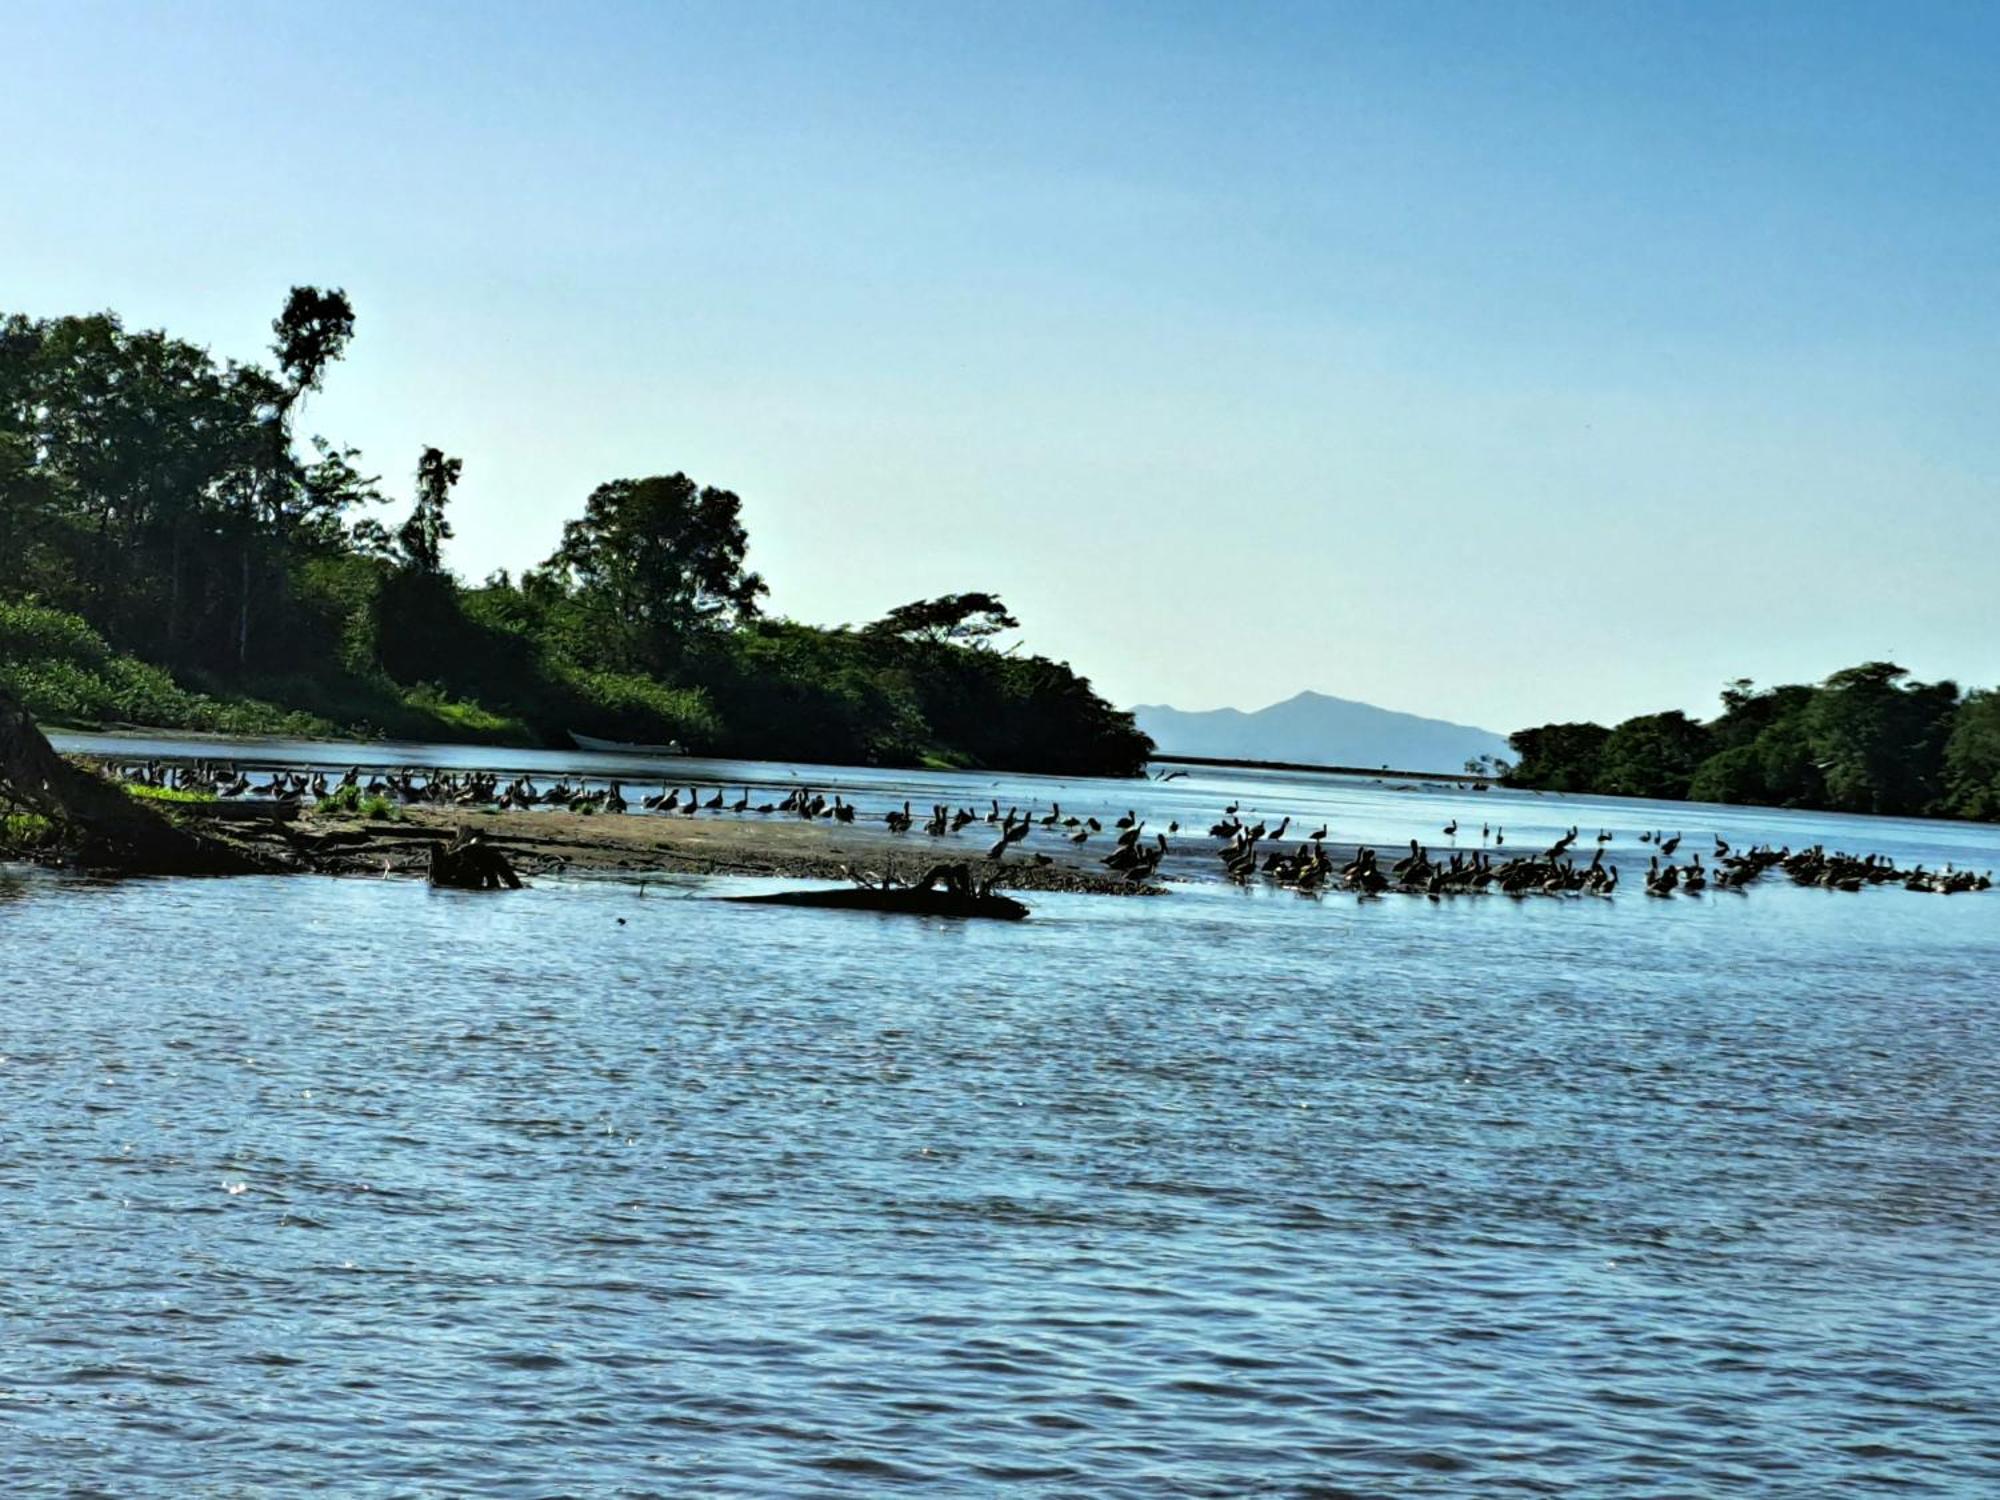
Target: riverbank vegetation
1868 739
176 553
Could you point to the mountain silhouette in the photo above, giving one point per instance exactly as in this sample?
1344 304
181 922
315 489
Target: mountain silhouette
1320 730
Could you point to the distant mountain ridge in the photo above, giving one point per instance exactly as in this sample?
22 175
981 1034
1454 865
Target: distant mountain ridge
1320 730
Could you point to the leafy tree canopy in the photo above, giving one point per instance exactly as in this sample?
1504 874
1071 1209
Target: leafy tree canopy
1867 739
1654 755
657 561
1558 757
1880 739
311 333
953 619
424 534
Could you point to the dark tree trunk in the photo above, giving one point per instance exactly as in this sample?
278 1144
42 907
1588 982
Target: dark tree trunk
173 652
243 612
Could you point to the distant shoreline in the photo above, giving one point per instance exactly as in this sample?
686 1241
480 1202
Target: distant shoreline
643 772
641 763
1311 769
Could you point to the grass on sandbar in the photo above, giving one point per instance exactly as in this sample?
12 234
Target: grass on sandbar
350 801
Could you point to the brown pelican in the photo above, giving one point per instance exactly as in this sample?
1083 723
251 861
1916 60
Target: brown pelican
1013 833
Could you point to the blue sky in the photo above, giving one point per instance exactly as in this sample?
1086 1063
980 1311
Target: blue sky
1500 362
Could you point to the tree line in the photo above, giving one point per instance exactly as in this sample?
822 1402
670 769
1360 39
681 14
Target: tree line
175 549
1869 739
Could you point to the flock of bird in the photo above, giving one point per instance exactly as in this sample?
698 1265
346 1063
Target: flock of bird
1555 871
1247 851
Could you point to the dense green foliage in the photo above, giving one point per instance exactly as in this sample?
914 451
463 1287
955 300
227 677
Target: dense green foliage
64 673
953 617
1972 757
22 834
172 553
1558 757
1866 740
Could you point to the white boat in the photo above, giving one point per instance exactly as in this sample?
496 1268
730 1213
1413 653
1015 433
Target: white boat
619 747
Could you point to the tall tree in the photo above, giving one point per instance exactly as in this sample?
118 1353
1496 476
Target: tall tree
310 333
424 534
1880 739
657 561
420 632
1558 757
1653 755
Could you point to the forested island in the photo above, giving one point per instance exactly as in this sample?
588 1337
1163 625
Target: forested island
173 554
1868 739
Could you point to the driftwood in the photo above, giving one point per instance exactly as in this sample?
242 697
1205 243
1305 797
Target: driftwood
94 823
896 899
469 863
946 890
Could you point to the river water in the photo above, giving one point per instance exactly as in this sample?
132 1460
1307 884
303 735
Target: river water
602 1190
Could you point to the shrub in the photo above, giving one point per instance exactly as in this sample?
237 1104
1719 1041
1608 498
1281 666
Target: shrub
25 833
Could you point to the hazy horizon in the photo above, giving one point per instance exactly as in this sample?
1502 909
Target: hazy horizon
1251 709
1497 365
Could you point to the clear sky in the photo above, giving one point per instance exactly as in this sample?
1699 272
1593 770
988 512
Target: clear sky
1503 362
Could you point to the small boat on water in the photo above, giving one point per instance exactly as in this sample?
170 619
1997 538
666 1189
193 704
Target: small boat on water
619 747
909 900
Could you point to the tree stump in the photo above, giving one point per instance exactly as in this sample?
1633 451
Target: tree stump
469 863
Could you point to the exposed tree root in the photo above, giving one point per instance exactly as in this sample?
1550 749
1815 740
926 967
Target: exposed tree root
90 822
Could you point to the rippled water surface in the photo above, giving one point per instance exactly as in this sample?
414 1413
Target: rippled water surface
358 1186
